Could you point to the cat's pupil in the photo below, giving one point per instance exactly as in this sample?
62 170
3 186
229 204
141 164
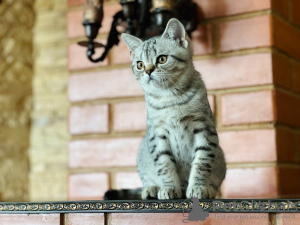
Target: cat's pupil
140 65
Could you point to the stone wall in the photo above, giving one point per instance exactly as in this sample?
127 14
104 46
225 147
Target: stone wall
49 134
33 100
16 73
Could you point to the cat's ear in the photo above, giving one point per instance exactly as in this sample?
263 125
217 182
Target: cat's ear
176 32
132 42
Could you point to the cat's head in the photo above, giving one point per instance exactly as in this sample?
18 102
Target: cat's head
161 62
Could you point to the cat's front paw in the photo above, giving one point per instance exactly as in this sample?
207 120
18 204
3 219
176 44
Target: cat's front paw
169 193
150 192
201 192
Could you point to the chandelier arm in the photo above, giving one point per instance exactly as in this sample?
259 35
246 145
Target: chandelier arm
113 39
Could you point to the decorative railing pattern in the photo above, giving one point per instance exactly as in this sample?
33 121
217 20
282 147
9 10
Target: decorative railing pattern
135 206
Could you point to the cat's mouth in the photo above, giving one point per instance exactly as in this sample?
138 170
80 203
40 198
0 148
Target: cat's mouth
151 79
160 82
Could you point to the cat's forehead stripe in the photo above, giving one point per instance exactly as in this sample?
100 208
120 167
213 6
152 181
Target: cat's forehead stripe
148 47
146 50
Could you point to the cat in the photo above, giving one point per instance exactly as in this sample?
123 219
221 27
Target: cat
180 156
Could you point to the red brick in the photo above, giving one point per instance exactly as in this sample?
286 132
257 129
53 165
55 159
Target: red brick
289 182
103 84
211 100
177 219
121 53
237 71
295 11
128 180
78 59
245 33
296 77
88 119
85 218
147 218
281 6
251 183
211 9
286 37
250 107
287 108
75 27
202 40
29 219
75 19
237 219
288 218
91 186
76 2
249 145
281 71
285 145
130 116
104 152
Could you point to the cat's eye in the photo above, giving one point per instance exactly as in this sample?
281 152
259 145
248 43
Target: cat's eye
162 59
140 65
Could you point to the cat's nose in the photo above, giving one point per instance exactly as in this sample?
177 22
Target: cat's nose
149 69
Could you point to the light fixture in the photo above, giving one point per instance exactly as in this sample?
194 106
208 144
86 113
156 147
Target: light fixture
141 18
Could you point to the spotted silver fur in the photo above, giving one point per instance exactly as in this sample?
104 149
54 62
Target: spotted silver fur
180 156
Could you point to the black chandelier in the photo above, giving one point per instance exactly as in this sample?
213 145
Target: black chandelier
141 18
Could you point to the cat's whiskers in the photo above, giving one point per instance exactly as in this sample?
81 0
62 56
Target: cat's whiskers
170 79
175 85
178 85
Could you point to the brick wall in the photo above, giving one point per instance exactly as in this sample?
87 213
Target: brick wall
249 57
149 218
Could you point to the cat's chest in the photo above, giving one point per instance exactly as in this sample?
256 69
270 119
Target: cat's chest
179 136
180 143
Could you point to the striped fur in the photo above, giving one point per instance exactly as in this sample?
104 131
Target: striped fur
180 156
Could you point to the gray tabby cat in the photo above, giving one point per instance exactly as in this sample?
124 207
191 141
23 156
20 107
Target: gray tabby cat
180 156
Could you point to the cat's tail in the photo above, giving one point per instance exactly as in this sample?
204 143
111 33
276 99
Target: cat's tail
123 194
